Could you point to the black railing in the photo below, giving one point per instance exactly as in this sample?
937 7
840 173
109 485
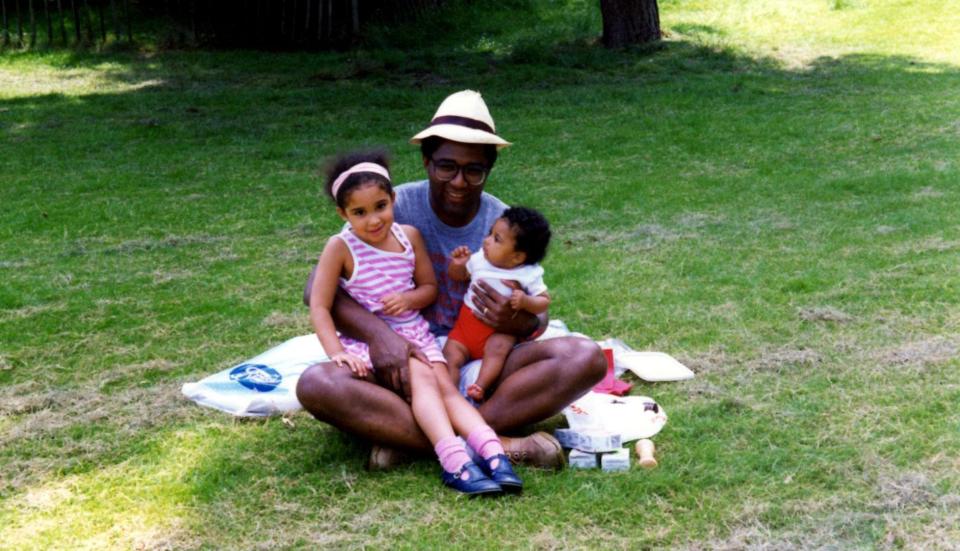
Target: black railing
33 23
301 24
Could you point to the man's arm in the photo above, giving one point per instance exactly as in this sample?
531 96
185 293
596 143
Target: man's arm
494 309
390 353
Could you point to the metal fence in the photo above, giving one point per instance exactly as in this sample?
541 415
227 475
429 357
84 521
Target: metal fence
32 23
302 24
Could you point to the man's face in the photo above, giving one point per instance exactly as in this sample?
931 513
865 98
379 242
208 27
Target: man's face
455 201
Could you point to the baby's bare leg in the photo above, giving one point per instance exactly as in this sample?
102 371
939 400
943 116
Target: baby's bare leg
495 353
456 355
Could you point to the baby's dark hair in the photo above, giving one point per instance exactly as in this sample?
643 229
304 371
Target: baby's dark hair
341 163
531 230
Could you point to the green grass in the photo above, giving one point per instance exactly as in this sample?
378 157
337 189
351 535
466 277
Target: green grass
769 196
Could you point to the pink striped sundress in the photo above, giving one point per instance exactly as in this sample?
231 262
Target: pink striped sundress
378 274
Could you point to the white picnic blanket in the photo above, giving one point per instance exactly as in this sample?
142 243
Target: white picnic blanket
266 384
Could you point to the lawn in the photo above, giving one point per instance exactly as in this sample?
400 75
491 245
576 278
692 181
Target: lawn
771 196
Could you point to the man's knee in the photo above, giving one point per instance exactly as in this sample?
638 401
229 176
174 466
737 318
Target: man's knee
316 383
587 358
498 346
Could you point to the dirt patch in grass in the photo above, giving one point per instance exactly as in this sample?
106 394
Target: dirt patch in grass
94 246
14 263
697 220
713 360
699 387
928 351
785 359
824 313
166 276
905 490
931 244
30 311
42 415
927 193
771 220
640 237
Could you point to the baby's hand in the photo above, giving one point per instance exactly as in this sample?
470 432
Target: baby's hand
516 299
460 255
395 304
356 365
475 392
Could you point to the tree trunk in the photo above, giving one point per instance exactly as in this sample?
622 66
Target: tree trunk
6 33
19 25
627 22
33 25
63 25
46 13
76 20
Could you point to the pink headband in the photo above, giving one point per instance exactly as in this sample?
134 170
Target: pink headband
360 167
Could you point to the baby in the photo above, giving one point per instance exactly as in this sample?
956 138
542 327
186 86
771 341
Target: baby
509 262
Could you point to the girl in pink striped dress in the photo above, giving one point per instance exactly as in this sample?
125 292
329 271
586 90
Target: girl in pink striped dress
384 267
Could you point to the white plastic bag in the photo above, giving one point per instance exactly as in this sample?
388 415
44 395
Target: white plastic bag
631 417
263 385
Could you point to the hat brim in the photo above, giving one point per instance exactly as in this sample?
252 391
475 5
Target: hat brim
462 134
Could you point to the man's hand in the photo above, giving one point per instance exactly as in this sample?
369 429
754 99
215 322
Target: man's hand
390 354
494 309
395 304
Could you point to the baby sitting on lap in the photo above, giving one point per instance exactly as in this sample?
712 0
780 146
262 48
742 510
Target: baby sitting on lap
509 261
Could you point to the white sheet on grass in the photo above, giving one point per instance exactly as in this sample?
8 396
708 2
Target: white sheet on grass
263 385
266 384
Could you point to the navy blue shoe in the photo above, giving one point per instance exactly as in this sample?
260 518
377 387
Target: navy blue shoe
476 483
503 474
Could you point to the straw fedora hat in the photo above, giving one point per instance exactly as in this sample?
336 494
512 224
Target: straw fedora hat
463 117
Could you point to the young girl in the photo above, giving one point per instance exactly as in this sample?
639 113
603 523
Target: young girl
385 268
512 250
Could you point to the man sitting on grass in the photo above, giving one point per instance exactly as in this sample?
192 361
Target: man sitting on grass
450 209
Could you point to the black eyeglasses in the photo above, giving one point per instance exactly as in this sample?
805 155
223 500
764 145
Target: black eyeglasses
446 170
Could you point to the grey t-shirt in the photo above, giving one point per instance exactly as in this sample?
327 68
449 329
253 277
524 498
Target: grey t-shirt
413 208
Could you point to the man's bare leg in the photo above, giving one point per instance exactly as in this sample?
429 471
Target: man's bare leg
541 378
538 380
360 407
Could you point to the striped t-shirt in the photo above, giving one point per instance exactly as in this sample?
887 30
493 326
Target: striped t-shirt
378 273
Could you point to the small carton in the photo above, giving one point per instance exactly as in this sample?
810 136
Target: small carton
582 460
593 440
616 461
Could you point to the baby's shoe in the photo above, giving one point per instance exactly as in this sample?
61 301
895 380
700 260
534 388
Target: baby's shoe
476 483
503 473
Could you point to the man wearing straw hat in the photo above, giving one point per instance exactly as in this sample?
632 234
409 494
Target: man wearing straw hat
459 148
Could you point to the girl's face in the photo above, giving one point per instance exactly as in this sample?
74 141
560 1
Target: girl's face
369 211
498 246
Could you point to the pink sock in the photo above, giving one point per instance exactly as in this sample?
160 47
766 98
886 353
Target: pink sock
452 454
485 442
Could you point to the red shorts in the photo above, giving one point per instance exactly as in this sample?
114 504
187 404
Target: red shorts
471 332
